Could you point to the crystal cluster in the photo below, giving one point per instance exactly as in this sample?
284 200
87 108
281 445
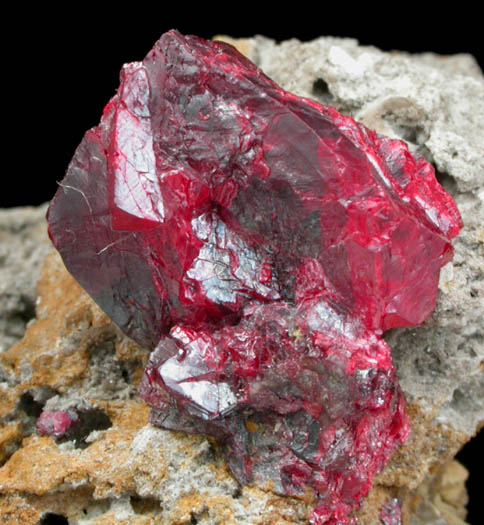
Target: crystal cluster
261 243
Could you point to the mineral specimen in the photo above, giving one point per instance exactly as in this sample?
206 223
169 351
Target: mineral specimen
261 243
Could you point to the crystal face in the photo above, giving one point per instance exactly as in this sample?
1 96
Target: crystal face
261 243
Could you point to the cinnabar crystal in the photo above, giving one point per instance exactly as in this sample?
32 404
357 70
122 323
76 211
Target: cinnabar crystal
261 243
56 423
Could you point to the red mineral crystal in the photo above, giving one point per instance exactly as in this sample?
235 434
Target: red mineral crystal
261 243
56 423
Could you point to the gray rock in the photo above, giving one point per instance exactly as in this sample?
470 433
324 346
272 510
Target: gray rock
23 247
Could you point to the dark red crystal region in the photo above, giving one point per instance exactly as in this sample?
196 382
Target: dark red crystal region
261 243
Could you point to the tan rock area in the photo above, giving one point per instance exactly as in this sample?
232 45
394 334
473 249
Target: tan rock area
118 468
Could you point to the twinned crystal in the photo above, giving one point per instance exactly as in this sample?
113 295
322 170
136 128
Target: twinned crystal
261 243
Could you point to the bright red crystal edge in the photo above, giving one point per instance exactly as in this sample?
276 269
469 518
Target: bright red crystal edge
213 205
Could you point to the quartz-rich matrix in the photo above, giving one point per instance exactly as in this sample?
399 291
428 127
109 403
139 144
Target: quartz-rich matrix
261 243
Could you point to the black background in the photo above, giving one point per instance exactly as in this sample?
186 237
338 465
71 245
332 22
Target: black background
61 67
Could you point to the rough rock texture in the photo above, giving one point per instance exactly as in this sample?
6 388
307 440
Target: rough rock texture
23 246
117 468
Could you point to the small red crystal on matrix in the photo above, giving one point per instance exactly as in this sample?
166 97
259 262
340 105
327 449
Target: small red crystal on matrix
261 243
56 423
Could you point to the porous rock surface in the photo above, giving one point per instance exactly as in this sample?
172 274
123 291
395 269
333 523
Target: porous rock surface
23 247
117 468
